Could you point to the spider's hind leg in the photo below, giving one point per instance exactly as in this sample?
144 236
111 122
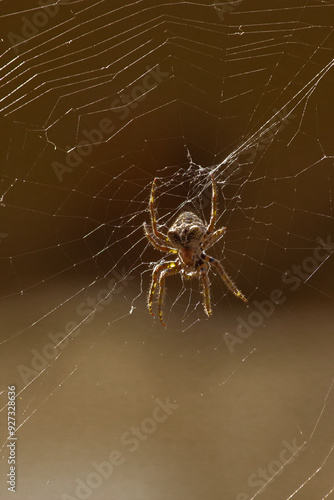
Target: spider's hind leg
173 268
203 273
227 280
158 278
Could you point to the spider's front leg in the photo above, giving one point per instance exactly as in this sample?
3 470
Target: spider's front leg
212 238
160 236
214 208
158 243
158 279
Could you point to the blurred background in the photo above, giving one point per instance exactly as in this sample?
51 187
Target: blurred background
96 101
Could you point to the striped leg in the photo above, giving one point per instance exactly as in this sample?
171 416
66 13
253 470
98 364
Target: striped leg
203 273
173 268
158 278
157 243
213 217
156 233
227 280
212 238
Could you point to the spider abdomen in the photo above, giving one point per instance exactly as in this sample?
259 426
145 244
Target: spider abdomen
187 231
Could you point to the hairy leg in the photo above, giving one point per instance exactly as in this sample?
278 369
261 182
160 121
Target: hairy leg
203 274
158 279
213 217
157 243
227 280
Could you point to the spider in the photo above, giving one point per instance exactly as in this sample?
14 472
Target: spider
188 238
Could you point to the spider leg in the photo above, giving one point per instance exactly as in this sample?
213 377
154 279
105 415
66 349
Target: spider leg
213 217
158 278
227 280
212 238
203 273
172 269
156 233
157 243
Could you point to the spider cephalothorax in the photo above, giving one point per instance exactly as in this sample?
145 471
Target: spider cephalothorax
188 237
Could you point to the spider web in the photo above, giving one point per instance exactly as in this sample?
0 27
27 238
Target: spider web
96 101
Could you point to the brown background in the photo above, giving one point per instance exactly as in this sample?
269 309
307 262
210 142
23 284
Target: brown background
226 78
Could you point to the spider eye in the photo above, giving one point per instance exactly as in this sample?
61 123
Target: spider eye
194 233
174 237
